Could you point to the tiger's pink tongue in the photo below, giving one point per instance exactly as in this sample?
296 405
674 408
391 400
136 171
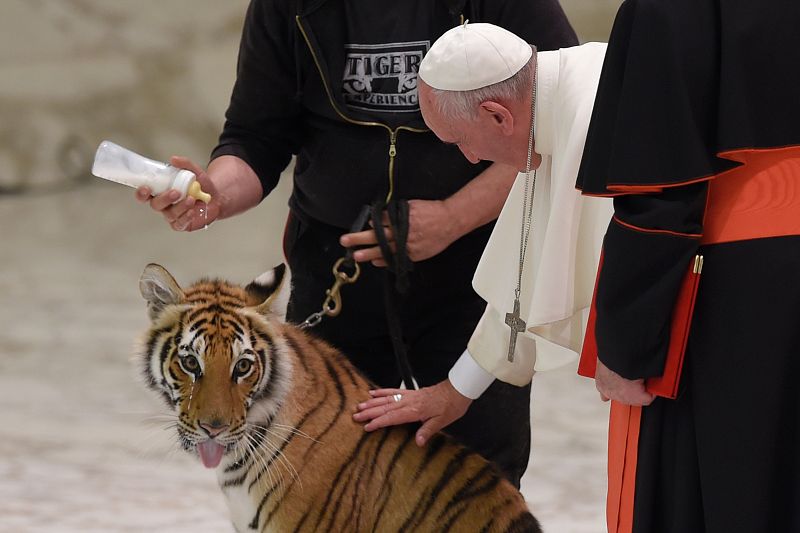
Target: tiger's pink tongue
210 453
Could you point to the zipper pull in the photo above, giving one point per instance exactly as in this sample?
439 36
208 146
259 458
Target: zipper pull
392 154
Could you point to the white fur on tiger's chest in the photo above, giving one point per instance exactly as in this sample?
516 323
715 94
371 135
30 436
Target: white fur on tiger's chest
241 508
239 502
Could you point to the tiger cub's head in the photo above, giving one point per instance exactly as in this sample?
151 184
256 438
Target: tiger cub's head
214 353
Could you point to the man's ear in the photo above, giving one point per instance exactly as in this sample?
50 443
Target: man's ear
496 115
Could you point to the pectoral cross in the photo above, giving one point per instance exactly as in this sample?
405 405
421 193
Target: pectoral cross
517 326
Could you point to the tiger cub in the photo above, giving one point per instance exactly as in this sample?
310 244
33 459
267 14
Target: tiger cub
270 408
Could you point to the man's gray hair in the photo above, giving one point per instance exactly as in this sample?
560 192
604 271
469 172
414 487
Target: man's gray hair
463 105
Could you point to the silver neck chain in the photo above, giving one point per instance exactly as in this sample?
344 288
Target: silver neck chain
530 186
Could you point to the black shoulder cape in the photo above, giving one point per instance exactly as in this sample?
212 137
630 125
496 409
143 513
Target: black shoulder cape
686 82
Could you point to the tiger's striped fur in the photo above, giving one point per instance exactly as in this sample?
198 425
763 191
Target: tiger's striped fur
292 457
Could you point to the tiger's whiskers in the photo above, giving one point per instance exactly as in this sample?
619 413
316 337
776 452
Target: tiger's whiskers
294 430
262 462
278 453
147 445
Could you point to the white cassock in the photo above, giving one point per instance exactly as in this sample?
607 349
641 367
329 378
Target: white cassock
564 243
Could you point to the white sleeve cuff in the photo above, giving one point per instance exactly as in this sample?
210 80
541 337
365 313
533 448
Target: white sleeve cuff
468 377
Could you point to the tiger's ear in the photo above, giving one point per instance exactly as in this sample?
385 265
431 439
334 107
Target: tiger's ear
159 288
269 292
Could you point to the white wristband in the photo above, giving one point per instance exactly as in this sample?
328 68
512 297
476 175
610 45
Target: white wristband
469 378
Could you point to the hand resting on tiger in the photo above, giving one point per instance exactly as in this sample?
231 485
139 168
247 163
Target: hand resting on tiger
269 407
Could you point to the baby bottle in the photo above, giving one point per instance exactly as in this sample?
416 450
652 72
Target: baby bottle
120 165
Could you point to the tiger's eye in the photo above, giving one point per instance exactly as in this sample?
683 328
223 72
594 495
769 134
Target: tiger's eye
243 366
190 363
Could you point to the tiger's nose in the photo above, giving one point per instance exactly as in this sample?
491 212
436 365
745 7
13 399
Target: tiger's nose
214 428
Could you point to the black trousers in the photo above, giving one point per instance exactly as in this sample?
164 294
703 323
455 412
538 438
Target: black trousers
438 314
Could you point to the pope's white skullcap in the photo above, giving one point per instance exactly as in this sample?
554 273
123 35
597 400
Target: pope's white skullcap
472 56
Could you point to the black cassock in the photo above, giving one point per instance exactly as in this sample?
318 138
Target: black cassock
693 93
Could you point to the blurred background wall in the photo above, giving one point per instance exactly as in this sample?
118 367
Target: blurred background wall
154 75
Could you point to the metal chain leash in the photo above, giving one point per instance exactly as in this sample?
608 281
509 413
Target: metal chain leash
332 305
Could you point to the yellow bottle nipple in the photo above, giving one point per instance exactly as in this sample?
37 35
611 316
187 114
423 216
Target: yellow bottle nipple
196 192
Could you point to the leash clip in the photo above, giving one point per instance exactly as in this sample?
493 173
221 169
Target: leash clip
332 305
